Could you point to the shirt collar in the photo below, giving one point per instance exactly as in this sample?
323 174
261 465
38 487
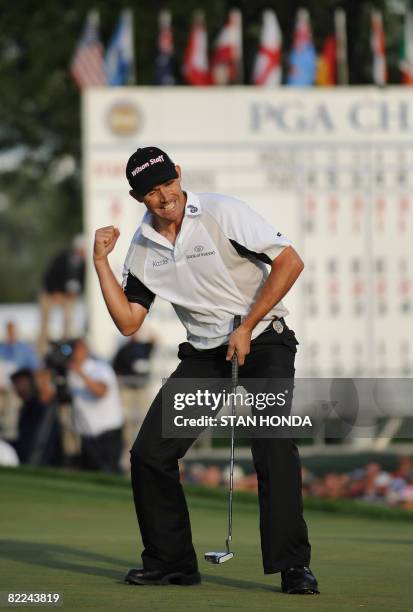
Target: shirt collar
192 209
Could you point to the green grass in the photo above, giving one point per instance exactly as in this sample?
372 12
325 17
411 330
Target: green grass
79 536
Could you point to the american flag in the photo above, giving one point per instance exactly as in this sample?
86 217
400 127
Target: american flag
87 67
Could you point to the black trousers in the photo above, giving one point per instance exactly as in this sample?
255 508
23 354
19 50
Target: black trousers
160 503
102 452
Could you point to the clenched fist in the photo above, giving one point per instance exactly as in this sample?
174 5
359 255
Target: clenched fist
105 240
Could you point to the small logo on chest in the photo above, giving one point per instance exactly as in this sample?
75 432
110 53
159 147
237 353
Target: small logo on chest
199 251
159 262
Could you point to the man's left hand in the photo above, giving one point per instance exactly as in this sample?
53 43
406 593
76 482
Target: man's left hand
239 343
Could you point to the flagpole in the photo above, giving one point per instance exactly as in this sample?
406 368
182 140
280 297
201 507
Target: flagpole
341 35
129 18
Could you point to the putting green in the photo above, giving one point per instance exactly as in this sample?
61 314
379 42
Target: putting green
78 537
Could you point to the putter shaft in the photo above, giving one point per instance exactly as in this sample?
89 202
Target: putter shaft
234 381
221 557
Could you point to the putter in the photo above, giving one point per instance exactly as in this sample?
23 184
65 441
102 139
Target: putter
221 557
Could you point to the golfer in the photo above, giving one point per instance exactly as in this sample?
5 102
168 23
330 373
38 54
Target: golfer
212 257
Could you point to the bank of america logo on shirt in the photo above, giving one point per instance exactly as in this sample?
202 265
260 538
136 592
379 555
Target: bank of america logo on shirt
199 251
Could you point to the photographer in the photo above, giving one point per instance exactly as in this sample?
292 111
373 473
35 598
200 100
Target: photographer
97 411
38 440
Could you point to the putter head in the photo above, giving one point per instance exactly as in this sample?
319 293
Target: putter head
218 557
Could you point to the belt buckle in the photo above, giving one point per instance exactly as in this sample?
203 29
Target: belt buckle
278 326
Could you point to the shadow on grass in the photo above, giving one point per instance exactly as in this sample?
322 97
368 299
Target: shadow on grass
65 558
58 557
239 584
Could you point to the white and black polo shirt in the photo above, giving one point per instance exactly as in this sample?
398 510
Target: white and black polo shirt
214 270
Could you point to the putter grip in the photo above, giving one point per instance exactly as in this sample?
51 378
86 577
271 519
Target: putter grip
237 323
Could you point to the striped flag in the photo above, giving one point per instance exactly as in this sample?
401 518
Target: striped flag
378 49
164 72
87 67
196 66
120 56
267 67
406 51
226 62
303 56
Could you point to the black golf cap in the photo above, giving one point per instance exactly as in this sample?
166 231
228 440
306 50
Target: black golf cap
148 167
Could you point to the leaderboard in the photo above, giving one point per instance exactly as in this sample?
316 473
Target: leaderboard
331 170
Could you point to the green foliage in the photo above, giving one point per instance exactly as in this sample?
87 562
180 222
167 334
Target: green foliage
40 197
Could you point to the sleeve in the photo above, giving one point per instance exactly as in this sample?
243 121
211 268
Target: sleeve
101 372
251 231
137 292
133 288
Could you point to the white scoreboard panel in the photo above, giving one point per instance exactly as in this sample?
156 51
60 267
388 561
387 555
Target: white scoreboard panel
331 169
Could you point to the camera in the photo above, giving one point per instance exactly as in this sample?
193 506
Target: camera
57 359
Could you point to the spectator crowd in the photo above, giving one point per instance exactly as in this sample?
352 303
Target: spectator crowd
370 483
68 375
42 378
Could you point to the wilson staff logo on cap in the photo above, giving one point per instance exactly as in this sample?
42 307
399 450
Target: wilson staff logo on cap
148 167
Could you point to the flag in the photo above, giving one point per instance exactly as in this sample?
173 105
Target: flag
196 67
378 49
164 72
120 57
406 51
341 46
227 56
87 67
303 56
267 67
326 64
